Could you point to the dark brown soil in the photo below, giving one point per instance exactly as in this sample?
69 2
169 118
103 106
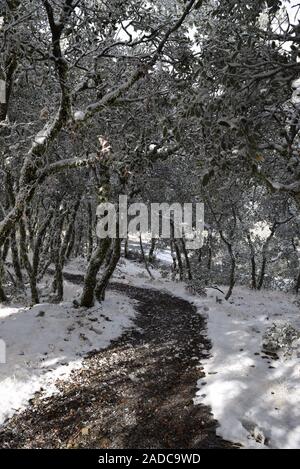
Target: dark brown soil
137 393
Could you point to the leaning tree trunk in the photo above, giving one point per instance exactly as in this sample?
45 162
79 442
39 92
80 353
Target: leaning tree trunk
108 255
102 250
90 281
109 270
71 245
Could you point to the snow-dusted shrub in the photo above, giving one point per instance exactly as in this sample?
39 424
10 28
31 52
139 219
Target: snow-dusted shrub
282 337
279 283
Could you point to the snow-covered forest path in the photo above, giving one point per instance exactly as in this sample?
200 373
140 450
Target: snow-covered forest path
137 393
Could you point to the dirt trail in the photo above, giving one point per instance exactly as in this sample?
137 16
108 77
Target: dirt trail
137 393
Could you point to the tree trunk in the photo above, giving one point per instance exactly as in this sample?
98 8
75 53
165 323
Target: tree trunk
209 259
90 231
5 249
108 255
264 256
71 245
262 273
297 287
144 257
109 270
69 231
57 285
26 262
15 257
177 251
187 260
173 255
36 257
3 296
253 263
179 260
232 265
126 251
232 272
90 281
152 249
99 255
200 256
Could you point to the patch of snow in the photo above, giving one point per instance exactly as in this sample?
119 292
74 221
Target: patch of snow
79 115
164 255
48 341
242 383
40 138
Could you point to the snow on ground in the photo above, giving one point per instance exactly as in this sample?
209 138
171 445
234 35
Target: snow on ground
253 397
161 254
48 341
256 400
164 255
